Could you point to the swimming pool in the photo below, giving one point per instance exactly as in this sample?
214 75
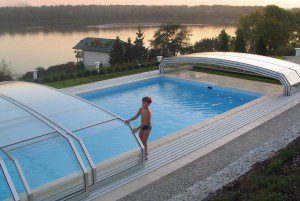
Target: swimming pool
47 157
177 103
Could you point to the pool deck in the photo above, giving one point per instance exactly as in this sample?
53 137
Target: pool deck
198 145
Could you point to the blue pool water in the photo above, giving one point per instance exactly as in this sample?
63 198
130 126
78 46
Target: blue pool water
177 103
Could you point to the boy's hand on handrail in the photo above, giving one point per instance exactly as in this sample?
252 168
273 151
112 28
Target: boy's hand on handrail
135 130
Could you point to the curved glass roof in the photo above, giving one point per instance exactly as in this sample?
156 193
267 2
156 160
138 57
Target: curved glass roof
50 139
287 72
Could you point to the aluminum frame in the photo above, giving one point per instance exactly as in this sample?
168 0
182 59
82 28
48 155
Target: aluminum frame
21 174
9 181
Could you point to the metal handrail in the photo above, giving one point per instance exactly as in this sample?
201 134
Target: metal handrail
32 112
21 174
9 181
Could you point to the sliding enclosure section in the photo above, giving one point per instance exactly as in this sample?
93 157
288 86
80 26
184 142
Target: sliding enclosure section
57 146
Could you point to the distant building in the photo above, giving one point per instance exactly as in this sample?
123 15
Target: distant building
94 52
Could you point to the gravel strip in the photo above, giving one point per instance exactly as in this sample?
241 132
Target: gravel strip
202 189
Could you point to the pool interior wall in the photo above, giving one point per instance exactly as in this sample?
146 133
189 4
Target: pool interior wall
177 103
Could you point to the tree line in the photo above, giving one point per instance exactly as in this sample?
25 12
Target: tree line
121 13
271 31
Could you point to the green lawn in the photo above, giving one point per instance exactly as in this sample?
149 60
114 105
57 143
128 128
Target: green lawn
237 75
95 78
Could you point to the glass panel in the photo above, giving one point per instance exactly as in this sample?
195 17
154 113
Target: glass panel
66 110
14 175
14 121
5 193
112 147
51 168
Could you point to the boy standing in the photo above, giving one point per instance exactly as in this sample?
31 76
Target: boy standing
146 124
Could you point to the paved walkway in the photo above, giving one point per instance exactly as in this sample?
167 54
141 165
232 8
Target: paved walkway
180 180
293 59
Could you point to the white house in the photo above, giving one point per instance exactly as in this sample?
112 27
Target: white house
94 52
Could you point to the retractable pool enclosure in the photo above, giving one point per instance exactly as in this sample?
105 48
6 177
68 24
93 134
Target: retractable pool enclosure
50 147
287 73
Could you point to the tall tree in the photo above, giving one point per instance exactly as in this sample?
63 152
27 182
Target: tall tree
140 50
171 39
223 41
276 25
261 47
116 56
205 45
240 44
5 71
128 51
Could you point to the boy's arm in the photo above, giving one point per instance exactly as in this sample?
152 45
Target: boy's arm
135 116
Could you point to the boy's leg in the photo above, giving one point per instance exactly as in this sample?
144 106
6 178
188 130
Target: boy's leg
146 136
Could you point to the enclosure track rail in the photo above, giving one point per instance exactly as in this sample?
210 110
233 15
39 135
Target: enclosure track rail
199 138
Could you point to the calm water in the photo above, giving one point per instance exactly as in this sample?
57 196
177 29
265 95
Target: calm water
28 49
174 107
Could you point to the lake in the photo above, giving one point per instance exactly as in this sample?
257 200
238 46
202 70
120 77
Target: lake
37 46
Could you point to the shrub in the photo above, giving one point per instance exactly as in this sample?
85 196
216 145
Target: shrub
55 78
5 71
117 69
94 72
47 80
285 51
102 71
72 75
124 68
136 67
79 74
39 80
110 70
130 67
87 73
63 76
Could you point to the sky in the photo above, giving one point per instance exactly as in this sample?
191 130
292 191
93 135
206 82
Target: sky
281 3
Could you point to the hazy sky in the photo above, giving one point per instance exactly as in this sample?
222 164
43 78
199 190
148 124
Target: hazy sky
282 3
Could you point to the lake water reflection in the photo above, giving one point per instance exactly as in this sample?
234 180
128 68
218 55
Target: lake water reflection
27 49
